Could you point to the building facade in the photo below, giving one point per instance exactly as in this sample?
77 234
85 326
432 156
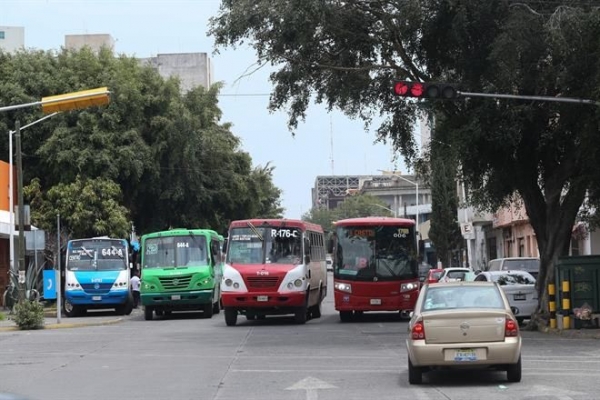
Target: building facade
12 38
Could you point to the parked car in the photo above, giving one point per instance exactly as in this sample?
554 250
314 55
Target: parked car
464 325
434 275
453 274
529 264
519 287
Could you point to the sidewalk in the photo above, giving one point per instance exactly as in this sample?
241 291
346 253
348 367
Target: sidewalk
50 321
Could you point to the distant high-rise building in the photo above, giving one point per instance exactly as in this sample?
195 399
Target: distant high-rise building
193 69
93 41
12 38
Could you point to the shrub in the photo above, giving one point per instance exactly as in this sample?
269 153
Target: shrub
29 314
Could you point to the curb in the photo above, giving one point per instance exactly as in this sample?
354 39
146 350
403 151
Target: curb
573 333
64 326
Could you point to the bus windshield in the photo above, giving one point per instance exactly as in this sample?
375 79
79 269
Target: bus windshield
264 245
175 251
373 253
96 255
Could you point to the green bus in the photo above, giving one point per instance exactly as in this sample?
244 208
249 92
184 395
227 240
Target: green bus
181 271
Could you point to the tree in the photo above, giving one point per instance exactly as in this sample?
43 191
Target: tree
154 156
444 231
347 53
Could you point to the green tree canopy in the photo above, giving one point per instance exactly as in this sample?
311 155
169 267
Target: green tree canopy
155 156
347 53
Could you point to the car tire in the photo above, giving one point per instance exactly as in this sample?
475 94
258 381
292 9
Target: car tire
513 372
415 374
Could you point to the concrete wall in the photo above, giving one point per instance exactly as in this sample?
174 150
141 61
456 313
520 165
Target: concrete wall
193 69
94 41
12 38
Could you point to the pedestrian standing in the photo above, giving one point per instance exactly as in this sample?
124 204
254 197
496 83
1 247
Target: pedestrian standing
135 289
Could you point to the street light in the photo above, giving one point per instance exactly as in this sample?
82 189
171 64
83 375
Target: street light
11 207
50 105
385 208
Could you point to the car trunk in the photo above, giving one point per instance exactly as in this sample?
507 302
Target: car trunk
516 293
462 326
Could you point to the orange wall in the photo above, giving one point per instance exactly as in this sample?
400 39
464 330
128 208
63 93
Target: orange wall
4 171
507 216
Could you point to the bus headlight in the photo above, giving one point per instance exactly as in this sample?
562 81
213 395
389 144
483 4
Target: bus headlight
407 287
343 287
228 282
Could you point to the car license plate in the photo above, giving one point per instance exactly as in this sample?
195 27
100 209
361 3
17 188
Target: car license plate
96 298
465 355
262 298
375 302
176 297
519 296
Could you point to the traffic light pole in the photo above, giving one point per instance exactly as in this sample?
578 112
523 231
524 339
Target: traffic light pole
535 98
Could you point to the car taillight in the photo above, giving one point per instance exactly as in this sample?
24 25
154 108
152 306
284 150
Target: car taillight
511 328
418 331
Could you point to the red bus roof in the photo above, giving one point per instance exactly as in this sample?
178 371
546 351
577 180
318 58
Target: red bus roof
284 222
375 221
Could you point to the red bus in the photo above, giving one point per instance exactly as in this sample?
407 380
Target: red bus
375 265
274 267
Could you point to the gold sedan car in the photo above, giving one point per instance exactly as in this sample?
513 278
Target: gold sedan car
463 325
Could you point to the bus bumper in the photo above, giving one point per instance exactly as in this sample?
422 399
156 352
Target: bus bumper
264 302
402 302
178 299
82 298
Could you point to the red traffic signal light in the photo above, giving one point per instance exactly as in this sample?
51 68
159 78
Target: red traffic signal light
425 90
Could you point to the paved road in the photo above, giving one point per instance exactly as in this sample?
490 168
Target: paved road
186 357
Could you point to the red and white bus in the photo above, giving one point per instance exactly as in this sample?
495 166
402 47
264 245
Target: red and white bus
274 267
375 265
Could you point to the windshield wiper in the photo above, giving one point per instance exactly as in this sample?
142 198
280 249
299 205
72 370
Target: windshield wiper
256 232
87 252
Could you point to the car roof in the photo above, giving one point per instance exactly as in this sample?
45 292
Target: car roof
462 283
457 269
514 258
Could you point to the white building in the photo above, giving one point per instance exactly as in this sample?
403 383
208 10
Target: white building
12 38
193 69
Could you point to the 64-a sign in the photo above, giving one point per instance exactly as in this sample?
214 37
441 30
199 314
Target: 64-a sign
112 252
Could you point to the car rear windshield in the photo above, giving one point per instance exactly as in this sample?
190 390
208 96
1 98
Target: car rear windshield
513 279
452 297
522 265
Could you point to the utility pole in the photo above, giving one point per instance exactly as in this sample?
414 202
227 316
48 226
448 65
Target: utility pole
21 241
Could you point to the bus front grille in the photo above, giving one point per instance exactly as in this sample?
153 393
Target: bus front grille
263 282
96 288
175 282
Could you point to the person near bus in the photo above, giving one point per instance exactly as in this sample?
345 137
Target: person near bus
135 289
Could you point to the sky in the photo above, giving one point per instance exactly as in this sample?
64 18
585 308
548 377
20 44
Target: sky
144 28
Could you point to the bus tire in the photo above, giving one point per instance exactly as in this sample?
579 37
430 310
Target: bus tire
345 316
231 315
315 311
217 306
71 310
208 310
301 316
148 313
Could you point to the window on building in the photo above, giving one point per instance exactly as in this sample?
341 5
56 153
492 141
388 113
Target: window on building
574 247
1 34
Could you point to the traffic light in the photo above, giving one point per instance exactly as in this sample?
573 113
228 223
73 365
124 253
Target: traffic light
425 90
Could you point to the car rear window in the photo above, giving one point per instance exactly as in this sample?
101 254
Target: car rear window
456 275
522 265
513 279
453 297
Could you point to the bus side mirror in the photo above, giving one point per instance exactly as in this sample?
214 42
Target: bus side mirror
307 260
306 247
330 246
225 246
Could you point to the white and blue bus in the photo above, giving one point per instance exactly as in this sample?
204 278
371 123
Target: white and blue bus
97 276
